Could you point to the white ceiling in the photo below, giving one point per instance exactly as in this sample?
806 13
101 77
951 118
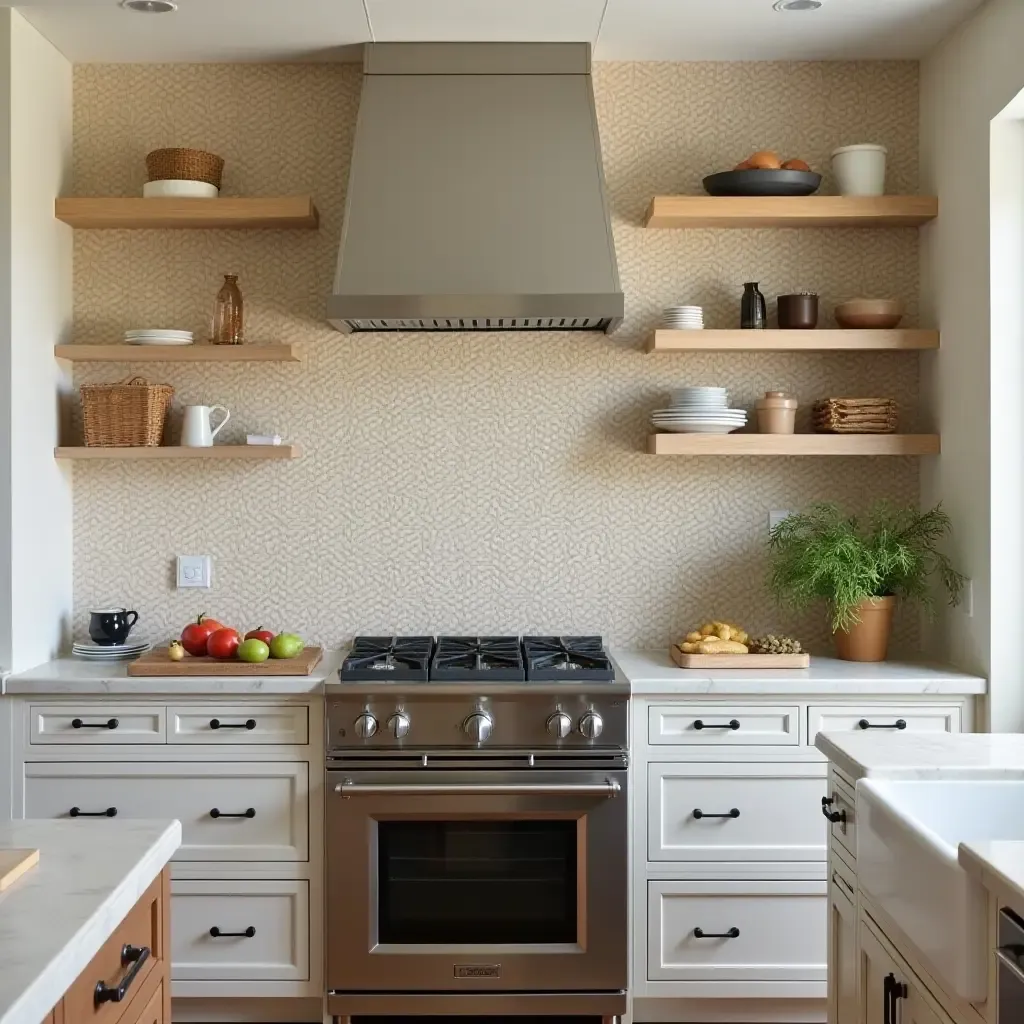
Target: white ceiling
268 30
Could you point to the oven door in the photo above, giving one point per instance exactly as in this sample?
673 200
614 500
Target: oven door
476 881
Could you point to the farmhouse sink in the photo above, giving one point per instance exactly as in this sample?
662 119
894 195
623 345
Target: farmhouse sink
907 838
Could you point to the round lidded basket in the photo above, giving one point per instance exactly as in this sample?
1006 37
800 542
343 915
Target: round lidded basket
128 414
187 164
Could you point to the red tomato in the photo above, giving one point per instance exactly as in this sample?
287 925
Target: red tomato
194 636
259 633
223 643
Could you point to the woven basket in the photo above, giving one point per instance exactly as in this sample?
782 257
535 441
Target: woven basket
856 416
184 164
130 413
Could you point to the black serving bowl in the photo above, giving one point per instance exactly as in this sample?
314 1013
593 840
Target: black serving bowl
762 183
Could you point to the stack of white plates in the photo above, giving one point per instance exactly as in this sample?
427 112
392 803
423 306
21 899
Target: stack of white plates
699 410
683 318
158 336
179 188
110 652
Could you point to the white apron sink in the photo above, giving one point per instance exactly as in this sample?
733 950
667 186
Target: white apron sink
907 838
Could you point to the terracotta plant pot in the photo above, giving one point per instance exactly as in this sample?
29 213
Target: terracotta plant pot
868 639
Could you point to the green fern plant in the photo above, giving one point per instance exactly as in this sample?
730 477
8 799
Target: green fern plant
822 554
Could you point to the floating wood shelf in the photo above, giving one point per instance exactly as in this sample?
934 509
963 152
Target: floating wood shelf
790 212
236 212
792 341
290 353
218 451
793 444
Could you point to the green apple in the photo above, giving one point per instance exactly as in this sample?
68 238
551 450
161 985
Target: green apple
286 645
253 650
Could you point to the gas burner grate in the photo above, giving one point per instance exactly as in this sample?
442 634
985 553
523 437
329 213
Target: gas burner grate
399 659
566 659
473 659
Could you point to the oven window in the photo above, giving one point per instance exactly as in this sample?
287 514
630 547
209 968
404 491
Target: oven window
476 882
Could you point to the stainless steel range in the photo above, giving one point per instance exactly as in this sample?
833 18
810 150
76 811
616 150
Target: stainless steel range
477 829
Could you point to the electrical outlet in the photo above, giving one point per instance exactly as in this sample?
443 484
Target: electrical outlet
195 571
776 517
967 599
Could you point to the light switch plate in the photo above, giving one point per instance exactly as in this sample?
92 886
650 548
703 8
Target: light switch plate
775 517
195 571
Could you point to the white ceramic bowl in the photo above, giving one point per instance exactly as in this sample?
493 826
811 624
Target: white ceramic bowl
179 188
860 170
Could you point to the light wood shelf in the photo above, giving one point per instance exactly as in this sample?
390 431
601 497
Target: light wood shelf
790 211
232 212
793 444
290 353
792 341
217 451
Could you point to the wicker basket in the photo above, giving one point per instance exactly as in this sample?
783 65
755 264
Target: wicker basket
856 416
130 413
184 164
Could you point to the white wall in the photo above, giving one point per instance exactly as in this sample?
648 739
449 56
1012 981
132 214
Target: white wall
975 381
40 316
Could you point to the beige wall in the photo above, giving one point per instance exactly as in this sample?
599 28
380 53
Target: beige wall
475 482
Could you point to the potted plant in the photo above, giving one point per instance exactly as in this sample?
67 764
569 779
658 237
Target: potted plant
860 568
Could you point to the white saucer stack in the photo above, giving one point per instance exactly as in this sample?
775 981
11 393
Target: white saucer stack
158 336
699 410
683 318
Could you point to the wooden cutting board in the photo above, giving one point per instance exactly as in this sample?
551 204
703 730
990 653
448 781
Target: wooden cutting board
14 863
738 660
158 663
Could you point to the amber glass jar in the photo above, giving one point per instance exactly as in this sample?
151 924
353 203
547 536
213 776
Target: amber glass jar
227 314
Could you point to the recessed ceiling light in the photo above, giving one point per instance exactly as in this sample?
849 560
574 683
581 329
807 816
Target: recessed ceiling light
149 6
797 5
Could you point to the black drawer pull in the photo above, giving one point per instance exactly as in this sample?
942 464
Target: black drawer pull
698 814
900 723
731 724
732 933
249 723
249 812
216 933
834 816
77 812
110 723
134 955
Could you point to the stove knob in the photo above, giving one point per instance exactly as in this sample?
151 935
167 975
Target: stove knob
560 725
591 725
399 723
478 727
365 725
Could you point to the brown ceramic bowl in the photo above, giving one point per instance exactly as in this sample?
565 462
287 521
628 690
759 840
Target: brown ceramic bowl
798 312
869 314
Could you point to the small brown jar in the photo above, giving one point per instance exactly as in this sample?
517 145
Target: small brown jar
798 312
776 413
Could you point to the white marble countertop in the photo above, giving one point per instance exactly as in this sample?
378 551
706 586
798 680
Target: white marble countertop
78 676
653 673
999 865
924 755
55 918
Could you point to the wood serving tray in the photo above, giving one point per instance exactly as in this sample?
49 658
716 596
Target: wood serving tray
738 660
158 663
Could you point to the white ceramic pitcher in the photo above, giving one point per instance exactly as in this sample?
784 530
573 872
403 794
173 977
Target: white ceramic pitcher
196 429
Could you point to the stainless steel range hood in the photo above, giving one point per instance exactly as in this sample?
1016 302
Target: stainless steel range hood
476 196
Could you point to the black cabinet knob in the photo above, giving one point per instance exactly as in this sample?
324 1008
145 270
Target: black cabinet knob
110 723
77 812
732 933
698 814
249 812
249 723
216 933
731 724
900 723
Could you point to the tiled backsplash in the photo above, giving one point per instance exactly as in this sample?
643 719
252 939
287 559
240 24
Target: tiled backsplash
474 482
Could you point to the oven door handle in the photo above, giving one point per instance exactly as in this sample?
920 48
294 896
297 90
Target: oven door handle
1006 957
608 789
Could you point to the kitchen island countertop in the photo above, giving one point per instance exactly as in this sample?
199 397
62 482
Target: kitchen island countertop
77 676
55 918
653 673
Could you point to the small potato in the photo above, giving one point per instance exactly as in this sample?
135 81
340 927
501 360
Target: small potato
688 648
708 629
725 631
741 637
721 647
695 637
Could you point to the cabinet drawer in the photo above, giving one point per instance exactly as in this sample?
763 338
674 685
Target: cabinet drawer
782 931
142 927
779 816
723 725
276 793
228 724
276 914
882 718
96 723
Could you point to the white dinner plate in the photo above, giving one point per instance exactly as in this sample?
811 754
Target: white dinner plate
160 341
699 428
158 332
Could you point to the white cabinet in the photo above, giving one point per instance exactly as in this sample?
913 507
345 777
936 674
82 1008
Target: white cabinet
718 725
843 1005
770 813
86 724
736 931
246 811
894 718
239 931
244 725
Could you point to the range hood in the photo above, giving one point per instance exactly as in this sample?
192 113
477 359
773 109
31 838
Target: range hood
476 196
